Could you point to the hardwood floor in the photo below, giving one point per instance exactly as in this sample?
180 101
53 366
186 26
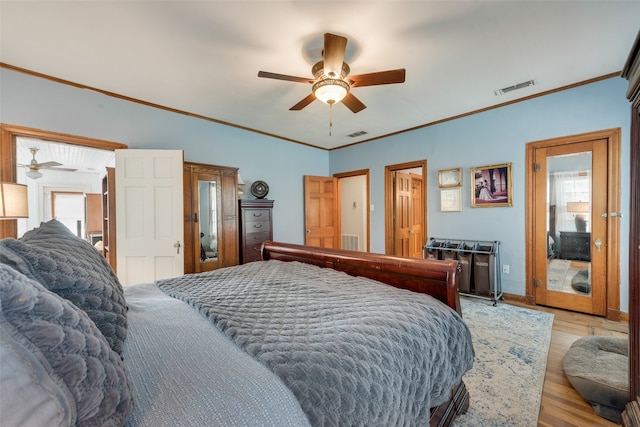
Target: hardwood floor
561 405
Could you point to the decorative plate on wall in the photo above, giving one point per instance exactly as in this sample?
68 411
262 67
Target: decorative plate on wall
260 189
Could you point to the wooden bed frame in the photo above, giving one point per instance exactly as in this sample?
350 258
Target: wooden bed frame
436 278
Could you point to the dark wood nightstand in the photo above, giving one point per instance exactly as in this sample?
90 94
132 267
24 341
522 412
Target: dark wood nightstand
575 245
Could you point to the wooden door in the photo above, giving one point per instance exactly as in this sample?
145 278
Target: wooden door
321 211
408 216
418 200
417 217
149 208
403 215
571 254
93 213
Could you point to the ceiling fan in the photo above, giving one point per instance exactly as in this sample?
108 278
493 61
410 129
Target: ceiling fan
331 82
34 167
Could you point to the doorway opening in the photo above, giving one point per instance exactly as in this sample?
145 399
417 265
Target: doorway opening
405 208
15 142
333 202
354 210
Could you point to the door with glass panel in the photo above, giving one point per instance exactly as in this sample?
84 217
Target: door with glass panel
571 226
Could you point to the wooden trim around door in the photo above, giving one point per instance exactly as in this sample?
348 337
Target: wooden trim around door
8 168
613 137
389 200
366 174
631 72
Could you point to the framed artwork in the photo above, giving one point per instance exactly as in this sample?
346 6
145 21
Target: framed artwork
491 186
451 200
450 177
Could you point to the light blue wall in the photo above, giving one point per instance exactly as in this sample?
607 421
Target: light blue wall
492 137
495 136
42 104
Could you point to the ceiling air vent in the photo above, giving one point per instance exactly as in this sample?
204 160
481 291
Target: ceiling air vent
359 133
514 87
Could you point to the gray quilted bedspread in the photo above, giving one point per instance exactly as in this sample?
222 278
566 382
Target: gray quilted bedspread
353 351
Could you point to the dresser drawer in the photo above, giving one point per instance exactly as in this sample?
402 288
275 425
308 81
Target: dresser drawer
257 215
257 227
253 238
253 252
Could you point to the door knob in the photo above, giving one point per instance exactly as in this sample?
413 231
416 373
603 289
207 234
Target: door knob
177 246
308 231
597 244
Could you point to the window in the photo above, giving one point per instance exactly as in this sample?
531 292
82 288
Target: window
68 208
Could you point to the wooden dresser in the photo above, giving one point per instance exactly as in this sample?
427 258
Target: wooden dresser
256 226
575 245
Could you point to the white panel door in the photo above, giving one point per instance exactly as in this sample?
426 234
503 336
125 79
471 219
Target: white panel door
149 214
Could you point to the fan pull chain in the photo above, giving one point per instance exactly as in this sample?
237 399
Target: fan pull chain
330 117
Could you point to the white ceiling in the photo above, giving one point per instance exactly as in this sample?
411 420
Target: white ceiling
82 159
202 57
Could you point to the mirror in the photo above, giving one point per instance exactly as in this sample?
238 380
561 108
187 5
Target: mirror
569 223
208 220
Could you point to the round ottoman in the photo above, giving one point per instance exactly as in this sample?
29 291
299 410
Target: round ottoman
598 368
581 282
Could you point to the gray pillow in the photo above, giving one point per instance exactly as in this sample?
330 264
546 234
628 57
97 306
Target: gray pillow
57 368
75 270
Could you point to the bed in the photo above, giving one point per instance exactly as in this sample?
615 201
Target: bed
207 349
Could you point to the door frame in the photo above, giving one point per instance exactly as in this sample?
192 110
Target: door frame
613 137
365 173
8 162
389 201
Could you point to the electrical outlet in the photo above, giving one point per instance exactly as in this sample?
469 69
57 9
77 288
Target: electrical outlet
505 268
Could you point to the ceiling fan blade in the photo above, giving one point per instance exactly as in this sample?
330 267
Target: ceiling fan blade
353 103
306 101
48 164
334 48
63 169
379 78
276 76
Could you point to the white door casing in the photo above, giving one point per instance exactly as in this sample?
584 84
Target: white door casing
149 214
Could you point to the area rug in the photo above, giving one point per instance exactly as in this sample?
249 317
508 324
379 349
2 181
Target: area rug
557 273
505 383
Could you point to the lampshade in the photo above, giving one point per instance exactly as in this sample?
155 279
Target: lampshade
13 200
240 180
33 174
578 207
330 91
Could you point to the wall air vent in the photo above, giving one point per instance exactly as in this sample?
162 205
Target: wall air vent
359 133
514 87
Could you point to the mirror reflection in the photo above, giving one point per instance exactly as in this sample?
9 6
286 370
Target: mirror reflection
208 221
568 223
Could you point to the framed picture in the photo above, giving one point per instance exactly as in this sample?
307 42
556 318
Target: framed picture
451 200
450 177
491 186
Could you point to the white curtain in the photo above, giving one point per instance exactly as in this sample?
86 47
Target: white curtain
574 186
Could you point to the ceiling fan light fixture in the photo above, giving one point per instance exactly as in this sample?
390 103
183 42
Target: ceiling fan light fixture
330 91
34 174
